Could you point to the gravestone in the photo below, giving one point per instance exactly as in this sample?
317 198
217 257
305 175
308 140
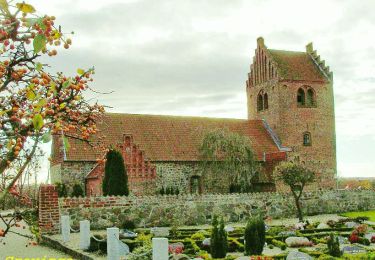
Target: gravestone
296 241
296 255
160 248
84 234
353 250
160 232
123 249
229 229
342 240
112 244
65 228
351 224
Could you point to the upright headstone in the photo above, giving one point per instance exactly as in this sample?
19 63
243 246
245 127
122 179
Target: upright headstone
159 248
65 228
112 244
84 234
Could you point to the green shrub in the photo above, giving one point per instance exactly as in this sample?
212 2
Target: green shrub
77 191
234 245
128 224
219 244
255 236
198 236
278 243
364 241
115 180
333 246
61 190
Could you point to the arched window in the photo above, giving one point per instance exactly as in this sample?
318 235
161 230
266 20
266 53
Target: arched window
195 185
306 139
260 102
310 98
265 100
301 97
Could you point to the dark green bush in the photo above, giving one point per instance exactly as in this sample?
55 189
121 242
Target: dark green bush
77 191
255 236
219 244
61 190
115 180
128 224
333 246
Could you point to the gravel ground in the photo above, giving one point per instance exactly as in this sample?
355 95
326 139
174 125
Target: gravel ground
17 246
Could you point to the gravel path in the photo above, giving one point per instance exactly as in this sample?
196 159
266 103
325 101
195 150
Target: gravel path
19 246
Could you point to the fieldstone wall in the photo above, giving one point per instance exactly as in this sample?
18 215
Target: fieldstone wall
175 175
171 210
72 172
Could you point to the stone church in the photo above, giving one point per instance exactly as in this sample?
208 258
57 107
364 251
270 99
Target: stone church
290 111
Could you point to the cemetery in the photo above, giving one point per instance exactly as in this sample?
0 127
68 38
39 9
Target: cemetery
111 228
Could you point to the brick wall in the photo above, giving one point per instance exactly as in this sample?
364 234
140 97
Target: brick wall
49 212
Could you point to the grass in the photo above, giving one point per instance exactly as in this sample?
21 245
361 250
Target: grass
370 214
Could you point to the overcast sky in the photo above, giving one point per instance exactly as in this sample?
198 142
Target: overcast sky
191 57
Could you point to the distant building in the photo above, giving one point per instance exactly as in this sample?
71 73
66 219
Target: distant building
290 110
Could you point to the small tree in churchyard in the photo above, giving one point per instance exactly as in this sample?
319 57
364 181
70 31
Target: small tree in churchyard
115 180
225 153
255 236
219 244
296 176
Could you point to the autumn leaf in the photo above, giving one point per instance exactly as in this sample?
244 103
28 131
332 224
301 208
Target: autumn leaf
38 66
30 95
25 8
39 43
38 122
80 71
56 34
62 105
66 84
4 6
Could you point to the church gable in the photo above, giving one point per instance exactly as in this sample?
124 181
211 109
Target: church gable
270 64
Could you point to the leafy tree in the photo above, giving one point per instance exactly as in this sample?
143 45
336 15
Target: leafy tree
222 152
115 180
219 243
77 191
255 236
334 246
61 190
35 103
296 176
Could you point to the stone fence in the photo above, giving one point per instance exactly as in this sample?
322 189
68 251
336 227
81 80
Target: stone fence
149 211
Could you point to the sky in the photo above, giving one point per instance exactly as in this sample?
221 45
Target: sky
192 57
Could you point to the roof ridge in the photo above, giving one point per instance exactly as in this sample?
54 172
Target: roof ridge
177 116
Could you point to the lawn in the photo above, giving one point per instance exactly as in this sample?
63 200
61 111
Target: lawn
370 214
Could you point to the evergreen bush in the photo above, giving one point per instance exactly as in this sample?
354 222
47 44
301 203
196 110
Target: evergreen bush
61 190
115 180
255 236
77 191
219 244
334 246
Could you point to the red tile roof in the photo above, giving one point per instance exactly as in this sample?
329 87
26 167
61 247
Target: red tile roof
169 138
293 65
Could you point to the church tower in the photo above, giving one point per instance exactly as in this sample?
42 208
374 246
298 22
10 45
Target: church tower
292 92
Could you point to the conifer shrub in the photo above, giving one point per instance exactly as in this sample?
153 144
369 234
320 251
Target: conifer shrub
77 191
333 246
115 180
255 236
61 190
219 243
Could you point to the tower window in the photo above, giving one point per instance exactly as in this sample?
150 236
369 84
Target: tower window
301 97
307 139
310 100
265 101
260 102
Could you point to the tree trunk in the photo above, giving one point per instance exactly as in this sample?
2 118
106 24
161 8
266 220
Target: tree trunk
298 206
